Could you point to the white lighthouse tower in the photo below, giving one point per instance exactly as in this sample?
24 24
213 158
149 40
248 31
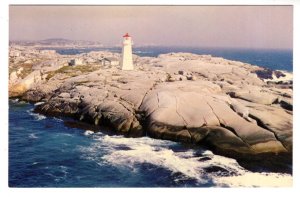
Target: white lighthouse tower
126 61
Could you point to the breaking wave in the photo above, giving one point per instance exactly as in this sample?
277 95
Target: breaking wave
88 132
190 164
39 103
14 100
36 116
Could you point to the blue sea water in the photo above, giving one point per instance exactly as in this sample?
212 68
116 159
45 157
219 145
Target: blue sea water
43 152
274 59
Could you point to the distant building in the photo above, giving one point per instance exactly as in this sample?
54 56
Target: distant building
75 62
109 61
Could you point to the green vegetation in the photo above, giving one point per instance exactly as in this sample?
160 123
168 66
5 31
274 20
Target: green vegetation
72 71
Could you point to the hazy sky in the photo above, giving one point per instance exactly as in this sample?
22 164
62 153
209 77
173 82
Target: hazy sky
203 26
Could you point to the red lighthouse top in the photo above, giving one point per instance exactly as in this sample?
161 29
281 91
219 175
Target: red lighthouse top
126 35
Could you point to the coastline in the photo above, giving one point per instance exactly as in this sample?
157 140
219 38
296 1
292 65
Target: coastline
288 77
193 165
163 101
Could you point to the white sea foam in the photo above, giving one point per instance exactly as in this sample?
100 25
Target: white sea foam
227 172
164 158
288 77
39 117
88 132
32 136
117 140
15 100
58 119
39 103
251 179
60 174
36 115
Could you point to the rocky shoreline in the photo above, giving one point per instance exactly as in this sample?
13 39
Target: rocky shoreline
196 99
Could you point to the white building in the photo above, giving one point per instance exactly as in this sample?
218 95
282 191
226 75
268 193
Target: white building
75 62
109 61
126 59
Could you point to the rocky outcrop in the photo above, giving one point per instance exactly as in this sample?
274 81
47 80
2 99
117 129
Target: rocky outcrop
273 119
19 87
196 111
265 73
179 96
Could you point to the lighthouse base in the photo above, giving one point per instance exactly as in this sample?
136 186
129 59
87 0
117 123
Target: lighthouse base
130 67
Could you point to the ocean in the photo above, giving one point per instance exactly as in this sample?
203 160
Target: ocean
275 59
45 152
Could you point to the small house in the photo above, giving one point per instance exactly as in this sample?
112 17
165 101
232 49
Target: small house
74 62
109 61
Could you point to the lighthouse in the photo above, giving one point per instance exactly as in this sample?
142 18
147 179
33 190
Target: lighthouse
126 61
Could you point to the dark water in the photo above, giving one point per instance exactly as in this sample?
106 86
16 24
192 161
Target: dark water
43 152
273 59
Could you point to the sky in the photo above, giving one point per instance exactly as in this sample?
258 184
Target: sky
268 27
